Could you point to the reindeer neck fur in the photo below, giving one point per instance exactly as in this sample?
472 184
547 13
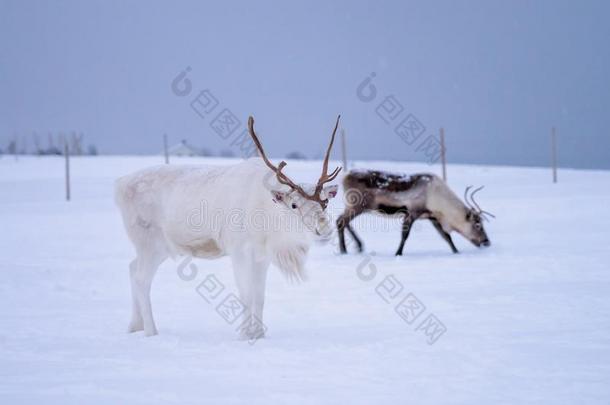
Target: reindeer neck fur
269 228
445 205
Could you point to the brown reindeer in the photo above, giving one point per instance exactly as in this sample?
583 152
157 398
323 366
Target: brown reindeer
419 196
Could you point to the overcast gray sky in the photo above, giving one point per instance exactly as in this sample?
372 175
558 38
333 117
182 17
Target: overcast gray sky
497 75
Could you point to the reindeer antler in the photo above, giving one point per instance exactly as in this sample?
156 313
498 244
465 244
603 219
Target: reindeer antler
466 197
481 211
283 179
325 177
473 204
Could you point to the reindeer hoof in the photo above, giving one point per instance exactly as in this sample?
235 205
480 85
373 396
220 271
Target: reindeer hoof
252 332
251 336
135 327
151 333
245 335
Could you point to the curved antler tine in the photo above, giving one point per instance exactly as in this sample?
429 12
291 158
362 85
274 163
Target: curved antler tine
482 212
466 197
257 143
283 179
325 177
334 174
473 200
330 146
476 190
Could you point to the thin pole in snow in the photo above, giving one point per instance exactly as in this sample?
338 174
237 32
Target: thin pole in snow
16 148
554 153
343 150
67 156
443 154
165 149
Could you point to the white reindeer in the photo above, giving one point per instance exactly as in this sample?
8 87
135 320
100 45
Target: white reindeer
250 211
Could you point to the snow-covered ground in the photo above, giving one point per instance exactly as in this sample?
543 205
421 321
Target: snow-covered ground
527 320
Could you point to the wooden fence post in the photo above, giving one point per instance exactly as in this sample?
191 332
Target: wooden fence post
165 149
554 153
343 150
443 154
67 157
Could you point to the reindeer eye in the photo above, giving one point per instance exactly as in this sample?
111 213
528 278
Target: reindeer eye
477 225
294 206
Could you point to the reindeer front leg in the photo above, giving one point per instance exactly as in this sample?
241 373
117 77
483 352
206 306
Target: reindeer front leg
444 234
343 222
259 280
250 278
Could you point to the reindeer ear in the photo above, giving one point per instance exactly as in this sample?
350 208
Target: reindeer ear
278 196
330 192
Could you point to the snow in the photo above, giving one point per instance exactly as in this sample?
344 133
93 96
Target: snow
527 320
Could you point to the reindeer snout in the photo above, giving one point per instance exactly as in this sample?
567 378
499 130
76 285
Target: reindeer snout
486 243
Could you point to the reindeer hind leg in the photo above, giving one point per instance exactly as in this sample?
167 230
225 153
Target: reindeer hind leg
136 324
407 222
151 252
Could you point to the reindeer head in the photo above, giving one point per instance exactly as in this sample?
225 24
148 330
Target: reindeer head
474 230
306 202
